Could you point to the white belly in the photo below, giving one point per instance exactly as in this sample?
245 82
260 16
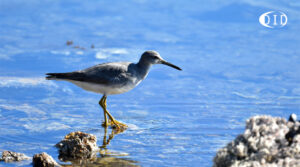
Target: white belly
104 89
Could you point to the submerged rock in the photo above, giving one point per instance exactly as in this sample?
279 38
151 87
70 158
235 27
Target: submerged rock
267 141
9 156
77 145
114 161
43 160
69 43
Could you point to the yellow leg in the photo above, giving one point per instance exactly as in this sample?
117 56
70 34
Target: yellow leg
101 103
112 119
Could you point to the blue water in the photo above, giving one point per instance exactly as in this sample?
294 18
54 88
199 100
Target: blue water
233 68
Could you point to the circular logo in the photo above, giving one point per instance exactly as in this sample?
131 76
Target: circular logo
273 19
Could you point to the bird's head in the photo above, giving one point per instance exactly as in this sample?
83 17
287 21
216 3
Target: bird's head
153 57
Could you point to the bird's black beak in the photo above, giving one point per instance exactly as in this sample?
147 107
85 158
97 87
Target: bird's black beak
169 64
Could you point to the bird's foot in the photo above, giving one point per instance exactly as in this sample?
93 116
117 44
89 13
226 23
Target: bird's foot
115 125
120 123
118 126
109 123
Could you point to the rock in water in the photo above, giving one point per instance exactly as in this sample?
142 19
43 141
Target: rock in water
9 156
77 145
44 160
266 142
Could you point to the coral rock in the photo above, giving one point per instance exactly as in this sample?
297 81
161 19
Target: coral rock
9 156
77 145
44 160
266 142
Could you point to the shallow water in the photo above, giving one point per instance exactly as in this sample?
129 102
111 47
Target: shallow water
233 68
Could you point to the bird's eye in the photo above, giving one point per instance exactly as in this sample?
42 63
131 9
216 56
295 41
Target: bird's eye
154 57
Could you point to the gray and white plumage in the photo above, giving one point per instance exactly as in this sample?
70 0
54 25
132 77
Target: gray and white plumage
112 78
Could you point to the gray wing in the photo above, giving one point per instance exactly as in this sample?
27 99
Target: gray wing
107 73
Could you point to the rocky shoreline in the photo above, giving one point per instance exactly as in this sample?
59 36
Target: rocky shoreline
73 147
266 142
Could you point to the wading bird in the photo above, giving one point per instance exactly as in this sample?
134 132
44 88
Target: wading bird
112 78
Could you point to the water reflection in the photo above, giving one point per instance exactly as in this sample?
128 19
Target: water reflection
103 149
113 161
106 161
106 158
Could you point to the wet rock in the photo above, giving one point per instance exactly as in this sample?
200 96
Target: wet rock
114 161
293 118
79 47
77 145
9 156
293 131
266 141
69 43
43 160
